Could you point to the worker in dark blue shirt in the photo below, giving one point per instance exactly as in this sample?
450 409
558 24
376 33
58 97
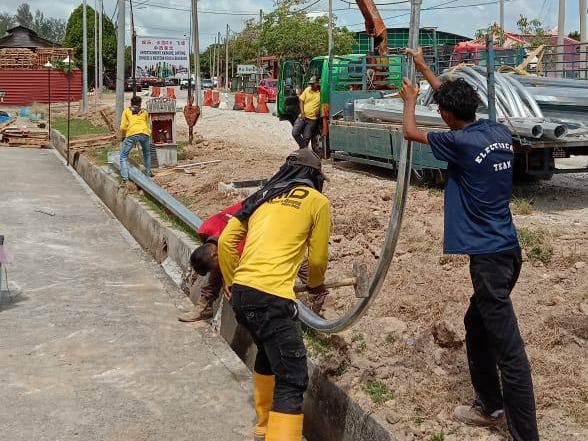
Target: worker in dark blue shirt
478 222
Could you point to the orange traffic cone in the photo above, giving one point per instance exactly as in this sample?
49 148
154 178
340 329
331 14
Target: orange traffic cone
207 98
262 104
215 98
239 101
249 107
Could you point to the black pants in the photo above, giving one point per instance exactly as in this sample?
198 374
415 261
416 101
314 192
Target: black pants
493 340
303 131
273 324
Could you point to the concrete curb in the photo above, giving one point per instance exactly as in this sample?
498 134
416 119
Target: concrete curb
329 413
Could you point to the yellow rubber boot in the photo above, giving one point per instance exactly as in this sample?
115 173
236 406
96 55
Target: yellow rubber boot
284 427
263 394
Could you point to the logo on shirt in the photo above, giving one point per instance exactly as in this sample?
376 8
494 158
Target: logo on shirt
292 199
488 149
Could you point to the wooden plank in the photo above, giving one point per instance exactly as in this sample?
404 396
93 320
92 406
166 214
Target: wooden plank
107 121
197 164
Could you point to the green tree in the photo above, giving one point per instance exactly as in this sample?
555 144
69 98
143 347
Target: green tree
6 22
24 16
575 35
73 38
499 36
534 30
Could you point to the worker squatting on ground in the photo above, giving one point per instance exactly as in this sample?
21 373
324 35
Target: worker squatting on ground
134 127
286 218
204 260
478 222
307 122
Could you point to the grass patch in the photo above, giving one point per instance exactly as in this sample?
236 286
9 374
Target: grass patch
99 156
168 217
318 346
378 391
342 369
536 245
419 416
77 127
359 339
522 206
187 200
434 191
437 437
391 337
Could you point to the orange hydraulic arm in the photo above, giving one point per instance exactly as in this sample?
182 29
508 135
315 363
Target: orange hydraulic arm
374 25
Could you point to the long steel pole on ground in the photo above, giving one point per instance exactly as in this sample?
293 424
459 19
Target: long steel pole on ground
85 59
100 65
120 60
227 58
561 24
196 42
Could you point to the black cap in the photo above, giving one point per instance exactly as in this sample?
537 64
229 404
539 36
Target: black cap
307 158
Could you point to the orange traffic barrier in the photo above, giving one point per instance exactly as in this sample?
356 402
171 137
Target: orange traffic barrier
207 98
239 101
249 107
215 98
262 104
171 93
155 91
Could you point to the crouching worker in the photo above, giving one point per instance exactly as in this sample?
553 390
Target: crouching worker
204 260
283 221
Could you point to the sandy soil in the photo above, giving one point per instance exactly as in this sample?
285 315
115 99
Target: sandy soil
391 355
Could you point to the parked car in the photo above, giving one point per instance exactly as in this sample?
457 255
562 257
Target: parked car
206 83
268 87
129 85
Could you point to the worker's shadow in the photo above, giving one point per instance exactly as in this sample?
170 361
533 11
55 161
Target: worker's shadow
10 300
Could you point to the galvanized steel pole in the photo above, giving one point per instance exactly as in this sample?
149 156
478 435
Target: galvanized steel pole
583 38
561 24
100 65
490 76
227 59
95 53
120 60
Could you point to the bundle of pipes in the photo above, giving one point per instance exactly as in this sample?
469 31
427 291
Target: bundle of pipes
521 107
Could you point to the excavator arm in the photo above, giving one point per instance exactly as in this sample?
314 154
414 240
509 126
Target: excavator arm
374 25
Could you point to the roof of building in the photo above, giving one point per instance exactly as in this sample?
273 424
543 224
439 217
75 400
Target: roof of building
22 37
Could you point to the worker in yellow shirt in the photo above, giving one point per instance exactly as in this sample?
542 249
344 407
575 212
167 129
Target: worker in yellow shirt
288 218
134 127
307 122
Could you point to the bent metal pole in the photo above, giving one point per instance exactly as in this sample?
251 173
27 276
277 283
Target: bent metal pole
311 319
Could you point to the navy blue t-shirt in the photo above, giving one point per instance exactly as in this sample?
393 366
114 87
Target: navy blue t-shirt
480 161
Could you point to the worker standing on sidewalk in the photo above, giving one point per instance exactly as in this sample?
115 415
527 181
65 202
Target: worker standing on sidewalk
134 127
283 220
306 124
478 222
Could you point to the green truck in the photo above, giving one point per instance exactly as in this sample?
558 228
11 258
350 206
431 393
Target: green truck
360 76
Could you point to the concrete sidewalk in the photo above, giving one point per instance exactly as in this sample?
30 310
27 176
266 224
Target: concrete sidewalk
91 348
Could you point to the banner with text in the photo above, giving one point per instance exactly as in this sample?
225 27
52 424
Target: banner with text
163 57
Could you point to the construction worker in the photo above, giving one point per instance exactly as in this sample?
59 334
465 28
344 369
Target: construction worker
204 260
134 127
281 222
306 124
478 222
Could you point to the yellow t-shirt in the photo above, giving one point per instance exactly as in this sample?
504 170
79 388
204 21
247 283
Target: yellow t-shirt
134 124
312 102
278 235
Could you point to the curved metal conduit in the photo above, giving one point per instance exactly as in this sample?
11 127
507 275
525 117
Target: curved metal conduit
311 319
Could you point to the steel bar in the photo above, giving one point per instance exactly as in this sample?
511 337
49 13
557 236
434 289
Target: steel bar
528 129
554 130
404 169
158 193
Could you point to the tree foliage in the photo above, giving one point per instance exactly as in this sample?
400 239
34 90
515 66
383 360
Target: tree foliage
533 29
499 36
74 38
52 29
286 32
575 35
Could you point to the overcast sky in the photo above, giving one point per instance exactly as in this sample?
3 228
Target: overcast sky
155 18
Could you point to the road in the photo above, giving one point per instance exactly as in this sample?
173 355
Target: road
90 348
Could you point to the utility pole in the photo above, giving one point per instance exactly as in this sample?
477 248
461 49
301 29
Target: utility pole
259 70
120 60
95 53
330 49
196 42
583 37
218 60
85 60
133 51
100 65
227 58
561 24
502 14
213 61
